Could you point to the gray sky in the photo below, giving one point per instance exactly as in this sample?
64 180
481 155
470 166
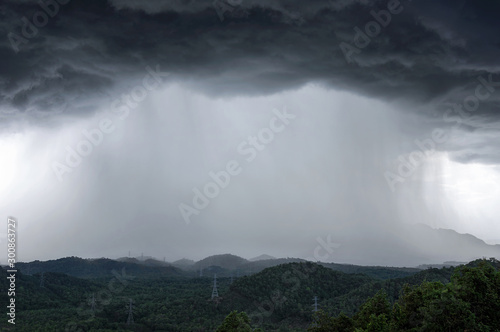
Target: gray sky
114 114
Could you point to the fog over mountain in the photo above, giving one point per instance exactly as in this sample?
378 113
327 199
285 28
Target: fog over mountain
359 131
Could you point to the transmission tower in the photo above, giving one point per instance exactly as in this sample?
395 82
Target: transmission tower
231 282
92 304
215 293
42 280
201 272
130 319
315 305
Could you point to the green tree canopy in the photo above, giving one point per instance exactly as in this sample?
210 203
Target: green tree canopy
235 322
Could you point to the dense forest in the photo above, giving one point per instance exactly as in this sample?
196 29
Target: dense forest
470 302
103 295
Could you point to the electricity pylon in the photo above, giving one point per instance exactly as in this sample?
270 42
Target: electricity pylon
130 319
215 293
315 305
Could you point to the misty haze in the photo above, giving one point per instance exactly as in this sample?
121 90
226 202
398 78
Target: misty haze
246 164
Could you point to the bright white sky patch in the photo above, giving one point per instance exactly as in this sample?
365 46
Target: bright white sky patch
462 196
474 190
9 163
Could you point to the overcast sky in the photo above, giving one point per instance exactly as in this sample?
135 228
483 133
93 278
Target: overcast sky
190 128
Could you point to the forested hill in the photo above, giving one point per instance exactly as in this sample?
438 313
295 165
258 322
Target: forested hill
223 265
97 268
284 294
227 265
378 272
167 299
226 261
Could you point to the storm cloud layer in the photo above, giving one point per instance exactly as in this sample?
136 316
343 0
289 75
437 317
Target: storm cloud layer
425 51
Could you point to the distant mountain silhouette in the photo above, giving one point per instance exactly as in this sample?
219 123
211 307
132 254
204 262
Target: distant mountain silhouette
405 245
129 260
402 245
184 262
226 261
445 245
261 258
95 268
148 261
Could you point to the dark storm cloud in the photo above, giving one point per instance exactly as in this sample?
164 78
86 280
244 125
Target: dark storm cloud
431 52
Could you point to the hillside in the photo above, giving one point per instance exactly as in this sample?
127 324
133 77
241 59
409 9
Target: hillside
378 272
276 297
470 301
227 265
99 268
226 261
261 258
183 263
284 293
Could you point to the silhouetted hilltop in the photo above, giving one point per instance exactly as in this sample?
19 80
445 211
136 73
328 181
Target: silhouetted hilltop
226 261
96 268
261 258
